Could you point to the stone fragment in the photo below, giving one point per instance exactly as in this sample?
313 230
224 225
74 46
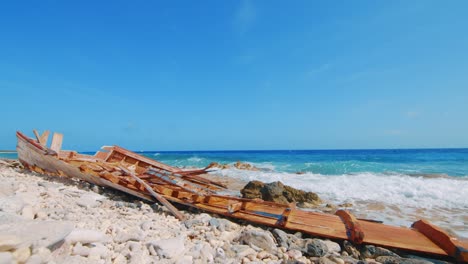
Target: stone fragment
294 253
242 251
185 260
11 204
281 237
80 250
325 260
90 200
332 246
316 248
85 236
398 260
22 254
6 258
33 232
351 250
7 189
370 251
169 248
336 259
34 259
8 242
134 234
28 212
258 238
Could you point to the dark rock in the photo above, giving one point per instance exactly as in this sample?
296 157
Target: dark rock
414 261
370 251
351 250
398 260
388 260
278 192
252 190
316 248
275 192
293 261
281 237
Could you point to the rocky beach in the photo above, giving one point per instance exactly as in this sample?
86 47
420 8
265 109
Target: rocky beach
47 219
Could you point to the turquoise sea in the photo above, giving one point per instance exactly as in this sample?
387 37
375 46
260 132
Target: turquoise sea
397 186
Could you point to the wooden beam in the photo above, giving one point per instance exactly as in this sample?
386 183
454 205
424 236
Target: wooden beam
452 246
159 197
353 228
56 144
42 139
283 220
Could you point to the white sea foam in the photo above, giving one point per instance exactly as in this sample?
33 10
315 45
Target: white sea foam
195 159
403 197
156 154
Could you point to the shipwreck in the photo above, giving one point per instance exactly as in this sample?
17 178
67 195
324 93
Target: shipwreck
118 168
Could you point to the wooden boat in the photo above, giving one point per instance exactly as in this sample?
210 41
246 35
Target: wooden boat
129 172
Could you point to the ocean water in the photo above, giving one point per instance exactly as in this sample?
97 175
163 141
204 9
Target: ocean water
397 187
394 186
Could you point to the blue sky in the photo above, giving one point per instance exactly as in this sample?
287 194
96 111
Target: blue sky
205 75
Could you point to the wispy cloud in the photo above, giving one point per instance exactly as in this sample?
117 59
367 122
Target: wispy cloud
318 70
244 17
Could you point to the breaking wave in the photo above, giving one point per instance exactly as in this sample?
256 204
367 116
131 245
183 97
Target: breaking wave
394 198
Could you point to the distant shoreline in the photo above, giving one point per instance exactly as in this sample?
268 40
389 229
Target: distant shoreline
7 151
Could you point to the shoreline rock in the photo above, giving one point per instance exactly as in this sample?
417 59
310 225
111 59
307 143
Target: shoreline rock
280 193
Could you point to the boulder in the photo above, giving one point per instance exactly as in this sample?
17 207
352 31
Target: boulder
252 190
278 192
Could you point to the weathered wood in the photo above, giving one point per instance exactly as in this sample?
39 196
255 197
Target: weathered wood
159 197
452 246
353 228
56 144
42 139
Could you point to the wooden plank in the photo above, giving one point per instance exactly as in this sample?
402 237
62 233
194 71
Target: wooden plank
353 228
42 139
56 144
452 246
159 197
